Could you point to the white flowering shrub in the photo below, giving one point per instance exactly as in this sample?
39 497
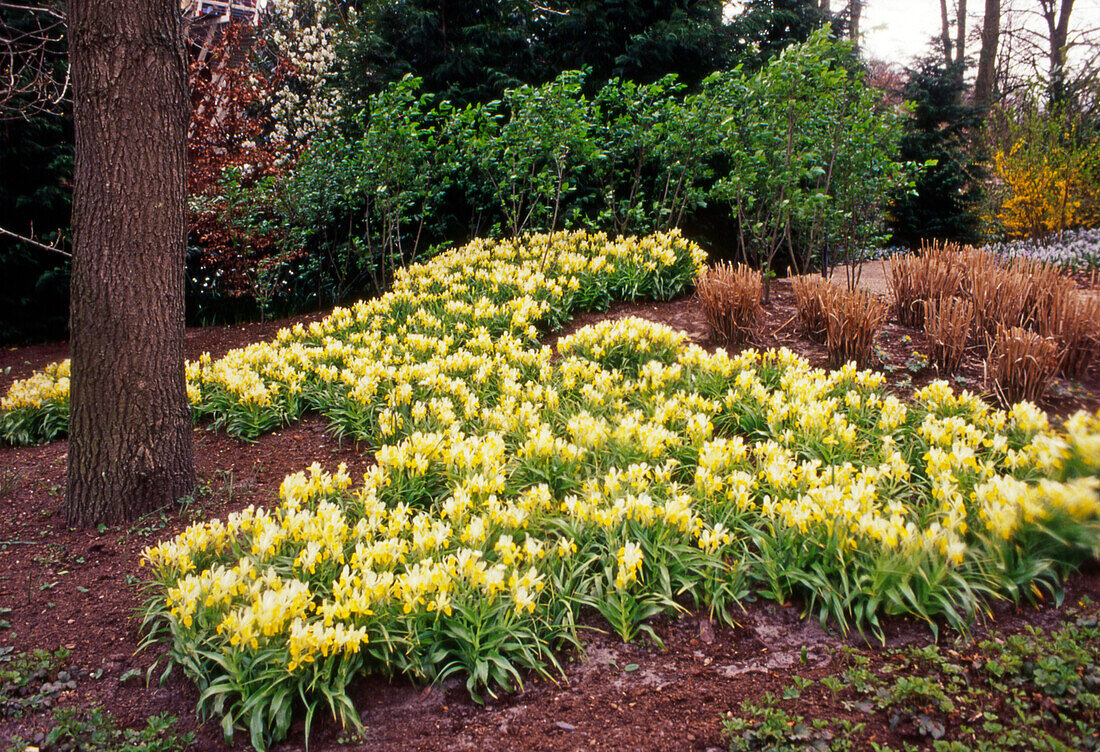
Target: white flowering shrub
303 36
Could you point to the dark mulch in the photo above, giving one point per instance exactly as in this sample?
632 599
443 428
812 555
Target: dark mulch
80 589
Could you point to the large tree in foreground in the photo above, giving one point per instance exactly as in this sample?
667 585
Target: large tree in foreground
130 434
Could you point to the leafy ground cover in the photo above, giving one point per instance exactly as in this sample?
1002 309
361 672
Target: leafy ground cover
1035 689
585 357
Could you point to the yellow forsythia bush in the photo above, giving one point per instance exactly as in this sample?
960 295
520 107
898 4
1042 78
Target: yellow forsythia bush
1050 174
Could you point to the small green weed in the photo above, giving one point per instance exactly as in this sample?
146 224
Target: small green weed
96 730
1037 690
25 679
766 727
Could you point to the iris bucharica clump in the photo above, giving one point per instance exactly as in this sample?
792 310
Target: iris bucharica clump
628 472
631 485
486 296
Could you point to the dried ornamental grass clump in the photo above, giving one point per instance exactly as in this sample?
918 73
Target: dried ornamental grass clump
852 319
846 321
810 300
623 485
916 280
1004 299
948 323
1022 363
1044 283
1073 320
730 298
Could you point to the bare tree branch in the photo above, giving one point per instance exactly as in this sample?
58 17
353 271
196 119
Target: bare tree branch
35 243
34 69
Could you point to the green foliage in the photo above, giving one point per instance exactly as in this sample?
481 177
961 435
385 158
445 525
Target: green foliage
363 205
811 155
637 40
470 52
532 147
466 51
96 730
765 28
23 676
766 728
802 152
947 195
1035 690
635 121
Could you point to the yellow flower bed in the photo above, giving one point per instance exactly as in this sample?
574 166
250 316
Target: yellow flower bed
631 486
362 365
36 407
630 473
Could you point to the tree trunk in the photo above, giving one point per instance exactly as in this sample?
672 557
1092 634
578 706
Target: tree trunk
987 56
945 34
960 34
130 432
1057 19
854 18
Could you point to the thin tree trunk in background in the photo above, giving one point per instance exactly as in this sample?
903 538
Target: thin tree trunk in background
854 15
1057 20
945 34
130 431
960 33
987 56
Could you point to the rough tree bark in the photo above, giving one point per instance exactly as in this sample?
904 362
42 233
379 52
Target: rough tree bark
130 445
987 55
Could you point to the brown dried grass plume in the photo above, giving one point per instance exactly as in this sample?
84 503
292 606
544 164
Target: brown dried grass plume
947 323
810 298
915 281
1002 298
1021 364
853 317
1072 319
730 297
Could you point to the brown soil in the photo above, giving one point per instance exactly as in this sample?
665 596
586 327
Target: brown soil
80 589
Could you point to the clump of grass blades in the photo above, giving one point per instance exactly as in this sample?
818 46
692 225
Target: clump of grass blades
947 324
1001 299
1045 282
852 319
1072 319
1021 364
730 297
915 280
809 301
